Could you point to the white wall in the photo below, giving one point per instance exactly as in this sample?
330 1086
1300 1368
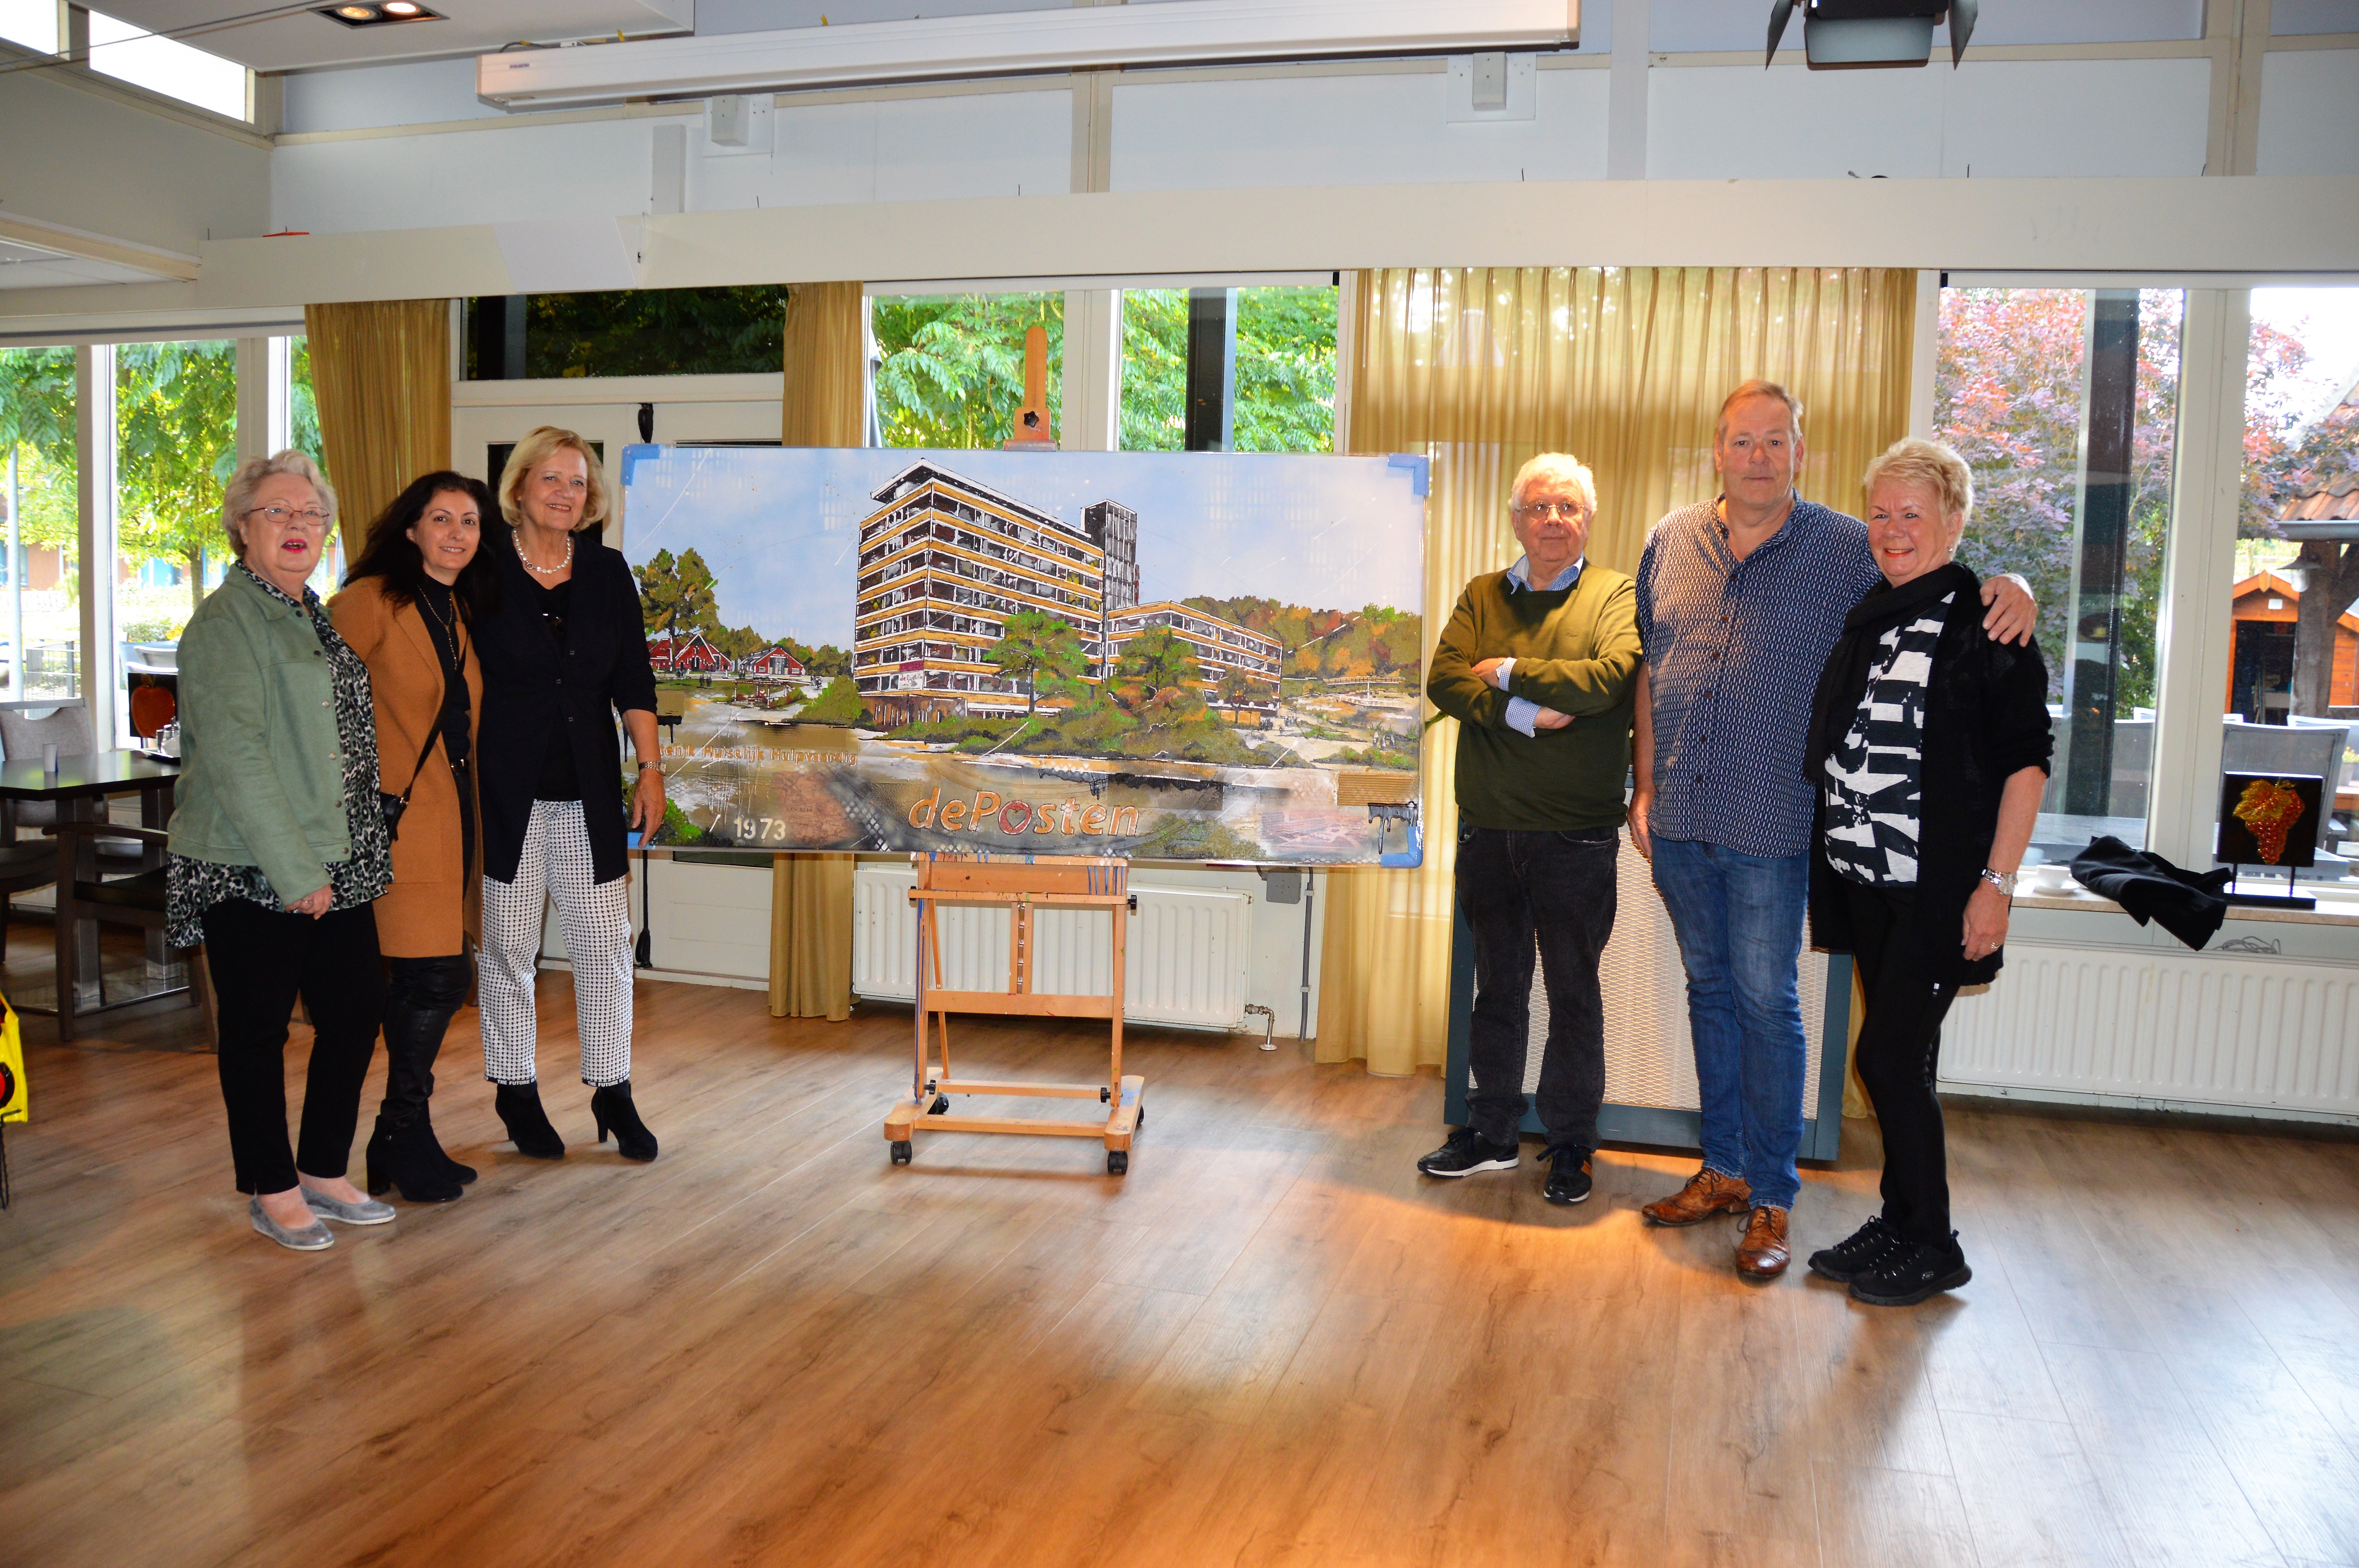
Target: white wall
359 97
89 161
1348 130
1995 120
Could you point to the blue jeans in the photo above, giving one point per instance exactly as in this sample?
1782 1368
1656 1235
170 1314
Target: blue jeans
1739 921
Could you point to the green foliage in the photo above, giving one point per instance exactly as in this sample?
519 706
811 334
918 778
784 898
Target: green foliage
1156 676
676 596
1286 370
303 406
951 367
176 423
1332 644
840 703
1243 686
1185 838
2283 456
37 418
1043 651
652 332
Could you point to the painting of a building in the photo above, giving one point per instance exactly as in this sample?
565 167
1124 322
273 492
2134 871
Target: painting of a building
943 562
690 655
775 664
1221 646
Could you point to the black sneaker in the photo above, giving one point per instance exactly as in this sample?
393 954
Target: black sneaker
1910 1273
1568 1180
1846 1259
1468 1151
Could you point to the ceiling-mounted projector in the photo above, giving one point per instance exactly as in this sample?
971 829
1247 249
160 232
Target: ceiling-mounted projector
1839 34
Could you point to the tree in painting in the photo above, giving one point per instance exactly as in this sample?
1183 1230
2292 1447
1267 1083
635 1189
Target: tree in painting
1039 650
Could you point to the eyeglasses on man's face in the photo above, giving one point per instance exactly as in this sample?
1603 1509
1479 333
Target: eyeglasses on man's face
1566 509
310 519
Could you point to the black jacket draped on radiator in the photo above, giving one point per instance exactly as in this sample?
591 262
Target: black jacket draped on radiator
530 682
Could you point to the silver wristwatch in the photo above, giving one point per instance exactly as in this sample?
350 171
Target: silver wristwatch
2003 880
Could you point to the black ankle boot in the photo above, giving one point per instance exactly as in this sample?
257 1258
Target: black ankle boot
402 1155
613 1108
459 1173
528 1124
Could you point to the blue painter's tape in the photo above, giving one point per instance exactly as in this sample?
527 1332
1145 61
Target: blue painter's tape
636 454
1414 856
1421 472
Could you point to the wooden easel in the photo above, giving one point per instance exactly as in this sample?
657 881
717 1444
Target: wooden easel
1021 885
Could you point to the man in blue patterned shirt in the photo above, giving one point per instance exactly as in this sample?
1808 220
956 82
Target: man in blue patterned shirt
1740 600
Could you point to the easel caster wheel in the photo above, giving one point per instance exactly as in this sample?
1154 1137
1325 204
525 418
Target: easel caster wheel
1140 1119
1105 1097
1118 1162
901 1153
940 1107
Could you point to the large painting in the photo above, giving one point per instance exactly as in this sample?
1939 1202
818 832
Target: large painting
1203 656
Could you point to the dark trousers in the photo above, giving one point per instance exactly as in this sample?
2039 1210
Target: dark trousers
260 960
418 1002
1552 893
1899 1047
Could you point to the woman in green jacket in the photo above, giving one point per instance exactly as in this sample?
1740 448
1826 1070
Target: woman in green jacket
279 847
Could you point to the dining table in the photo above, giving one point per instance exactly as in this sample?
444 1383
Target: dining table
82 787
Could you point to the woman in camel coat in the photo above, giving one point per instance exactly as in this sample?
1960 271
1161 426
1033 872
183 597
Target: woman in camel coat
409 607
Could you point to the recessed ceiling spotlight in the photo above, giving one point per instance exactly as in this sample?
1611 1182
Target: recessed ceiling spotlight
378 16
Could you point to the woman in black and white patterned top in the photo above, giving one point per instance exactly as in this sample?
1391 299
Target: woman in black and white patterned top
1929 747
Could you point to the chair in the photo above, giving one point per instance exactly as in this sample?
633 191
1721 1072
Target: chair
2314 747
137 900
24 729
23 867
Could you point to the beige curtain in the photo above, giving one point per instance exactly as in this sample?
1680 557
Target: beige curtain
1482 368
810 895
381 372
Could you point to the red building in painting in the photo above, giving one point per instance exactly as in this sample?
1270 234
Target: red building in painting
686 656
775 664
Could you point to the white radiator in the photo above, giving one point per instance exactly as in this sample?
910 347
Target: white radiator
1184 962
2211 1029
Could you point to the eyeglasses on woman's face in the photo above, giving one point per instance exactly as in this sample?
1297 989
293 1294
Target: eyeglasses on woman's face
309 519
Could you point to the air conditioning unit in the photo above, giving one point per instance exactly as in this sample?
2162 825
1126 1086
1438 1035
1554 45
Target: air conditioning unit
1173 32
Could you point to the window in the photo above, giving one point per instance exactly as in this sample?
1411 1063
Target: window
31 24
645 331
1285 374
41 624
176 447
2292 700
2065 402
168 66
949 368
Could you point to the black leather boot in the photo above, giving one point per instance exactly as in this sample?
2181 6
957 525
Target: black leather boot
402 1155
613 1108
528 1124
418 1004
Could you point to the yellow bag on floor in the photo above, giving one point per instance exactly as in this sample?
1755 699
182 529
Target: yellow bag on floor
13 1095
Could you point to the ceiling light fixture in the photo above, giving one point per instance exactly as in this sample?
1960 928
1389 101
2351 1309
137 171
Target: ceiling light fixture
389 13
1179 32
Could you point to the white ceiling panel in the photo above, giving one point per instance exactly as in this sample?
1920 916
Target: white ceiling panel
291 38
37 267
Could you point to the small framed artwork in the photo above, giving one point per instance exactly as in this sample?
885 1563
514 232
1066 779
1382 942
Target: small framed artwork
2269 819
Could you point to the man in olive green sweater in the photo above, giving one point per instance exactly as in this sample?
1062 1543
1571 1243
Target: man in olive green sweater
1537 666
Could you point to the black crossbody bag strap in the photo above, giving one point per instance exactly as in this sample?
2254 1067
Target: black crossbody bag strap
393 806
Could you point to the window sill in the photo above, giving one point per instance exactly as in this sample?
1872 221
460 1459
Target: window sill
2334 908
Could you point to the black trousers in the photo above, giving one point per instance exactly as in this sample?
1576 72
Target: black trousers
1552 893
260 960
1899 1049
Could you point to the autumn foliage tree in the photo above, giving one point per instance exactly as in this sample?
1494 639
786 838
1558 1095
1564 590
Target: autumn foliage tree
2007 389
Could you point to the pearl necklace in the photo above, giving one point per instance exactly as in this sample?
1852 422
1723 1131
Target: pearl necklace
517 539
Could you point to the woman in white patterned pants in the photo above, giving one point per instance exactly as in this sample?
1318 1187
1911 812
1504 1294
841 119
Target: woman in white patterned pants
565 652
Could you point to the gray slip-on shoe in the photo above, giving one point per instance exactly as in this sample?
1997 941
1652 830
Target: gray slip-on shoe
368 1211
311 1238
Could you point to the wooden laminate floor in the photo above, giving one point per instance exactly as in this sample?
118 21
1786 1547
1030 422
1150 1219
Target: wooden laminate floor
1271 1344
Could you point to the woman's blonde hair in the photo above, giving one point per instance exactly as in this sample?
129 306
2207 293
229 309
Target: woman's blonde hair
238 499
1931 465
534 451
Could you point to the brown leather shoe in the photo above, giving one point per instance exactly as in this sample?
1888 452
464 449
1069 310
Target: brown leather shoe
1762 1255
1708 1193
